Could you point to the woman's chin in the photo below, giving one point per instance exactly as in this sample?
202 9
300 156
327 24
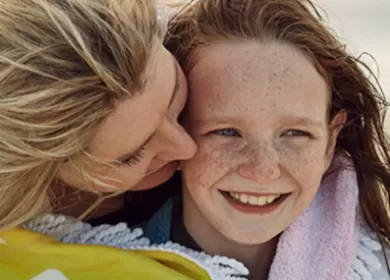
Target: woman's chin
157 178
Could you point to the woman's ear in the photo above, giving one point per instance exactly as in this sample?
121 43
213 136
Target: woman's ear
335 127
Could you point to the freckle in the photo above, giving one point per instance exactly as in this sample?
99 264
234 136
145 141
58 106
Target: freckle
226 68
217 225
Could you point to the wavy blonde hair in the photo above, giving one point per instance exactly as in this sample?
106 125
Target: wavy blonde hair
63 66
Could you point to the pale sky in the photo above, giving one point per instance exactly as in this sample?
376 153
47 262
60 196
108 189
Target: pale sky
365 26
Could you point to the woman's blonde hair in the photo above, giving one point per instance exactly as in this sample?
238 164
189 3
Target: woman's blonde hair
299 23
63 66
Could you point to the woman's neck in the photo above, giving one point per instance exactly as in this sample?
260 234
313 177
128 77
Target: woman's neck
257 258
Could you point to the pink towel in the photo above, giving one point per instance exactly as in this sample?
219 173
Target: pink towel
321 243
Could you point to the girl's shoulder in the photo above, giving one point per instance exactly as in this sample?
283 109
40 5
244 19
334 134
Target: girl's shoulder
382 273
371 255
158 228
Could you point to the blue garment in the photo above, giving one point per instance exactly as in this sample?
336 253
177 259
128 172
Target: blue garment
158 227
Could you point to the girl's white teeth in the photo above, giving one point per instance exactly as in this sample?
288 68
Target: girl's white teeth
254 200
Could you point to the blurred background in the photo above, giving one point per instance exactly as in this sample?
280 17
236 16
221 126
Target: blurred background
365 26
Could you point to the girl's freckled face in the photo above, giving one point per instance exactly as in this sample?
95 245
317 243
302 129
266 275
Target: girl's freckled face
258 113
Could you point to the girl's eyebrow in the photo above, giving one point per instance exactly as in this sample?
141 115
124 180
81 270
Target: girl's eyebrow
236 119
302 121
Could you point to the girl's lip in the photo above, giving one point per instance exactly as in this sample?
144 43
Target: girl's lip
252 209
257 193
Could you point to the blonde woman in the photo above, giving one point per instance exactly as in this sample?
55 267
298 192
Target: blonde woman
89 101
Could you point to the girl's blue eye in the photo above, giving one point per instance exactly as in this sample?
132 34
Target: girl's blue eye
226 132
296 133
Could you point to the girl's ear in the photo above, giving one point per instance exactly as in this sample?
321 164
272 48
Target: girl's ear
336 125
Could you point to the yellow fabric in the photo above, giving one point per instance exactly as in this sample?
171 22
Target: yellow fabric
25 255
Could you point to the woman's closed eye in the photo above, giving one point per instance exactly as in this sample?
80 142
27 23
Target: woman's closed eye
136 158
226 132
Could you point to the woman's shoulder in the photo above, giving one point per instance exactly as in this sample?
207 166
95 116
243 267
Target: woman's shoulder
71 231
371 255
38 256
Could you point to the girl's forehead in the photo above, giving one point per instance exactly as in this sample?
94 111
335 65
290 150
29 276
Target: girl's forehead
248 75
271 63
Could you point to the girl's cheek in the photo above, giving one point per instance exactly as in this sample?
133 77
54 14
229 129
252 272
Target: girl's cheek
305 165
210 163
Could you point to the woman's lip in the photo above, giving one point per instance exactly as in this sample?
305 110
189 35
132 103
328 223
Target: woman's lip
161 167
159 176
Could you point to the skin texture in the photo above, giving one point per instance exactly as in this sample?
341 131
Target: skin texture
150 115
246 108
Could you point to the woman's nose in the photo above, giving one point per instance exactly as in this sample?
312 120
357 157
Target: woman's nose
178 144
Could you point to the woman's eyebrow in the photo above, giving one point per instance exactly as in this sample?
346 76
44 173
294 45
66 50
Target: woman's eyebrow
176 84
176 87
